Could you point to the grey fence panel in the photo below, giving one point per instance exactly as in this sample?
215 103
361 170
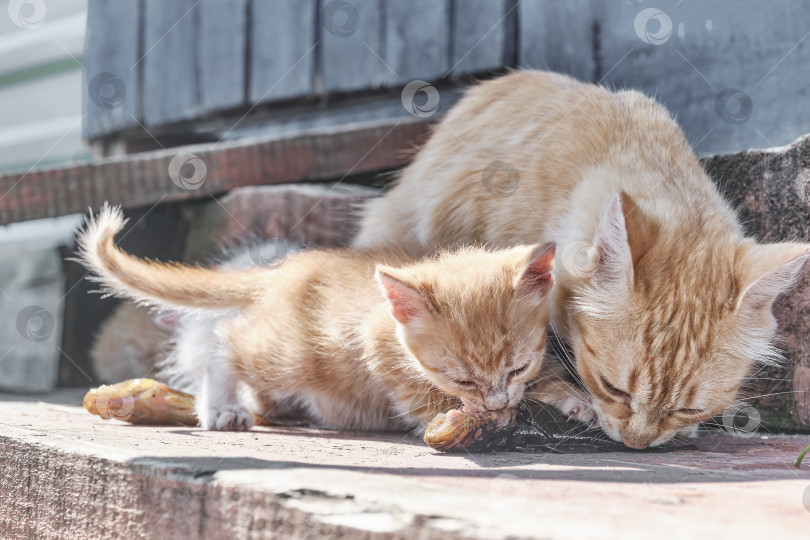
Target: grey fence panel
111 77
171 79
417 40
559 36
483 35
352 45
725 68
282 56
222 53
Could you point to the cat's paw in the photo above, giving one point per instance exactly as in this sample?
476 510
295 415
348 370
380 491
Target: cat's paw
578 409
227 418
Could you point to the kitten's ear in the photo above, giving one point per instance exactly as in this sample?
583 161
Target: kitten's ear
536 280
623 236
408 305
773 269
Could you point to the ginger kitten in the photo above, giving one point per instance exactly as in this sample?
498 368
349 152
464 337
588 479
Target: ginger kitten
361 344
666 303
136 340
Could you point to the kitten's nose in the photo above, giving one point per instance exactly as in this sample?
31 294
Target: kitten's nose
496 402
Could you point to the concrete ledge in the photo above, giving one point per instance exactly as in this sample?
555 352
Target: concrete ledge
66 474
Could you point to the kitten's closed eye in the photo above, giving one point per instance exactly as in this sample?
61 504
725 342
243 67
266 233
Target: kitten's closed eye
615 392
465 384
518 371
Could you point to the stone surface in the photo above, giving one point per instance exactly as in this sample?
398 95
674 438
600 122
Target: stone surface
771 190
67 474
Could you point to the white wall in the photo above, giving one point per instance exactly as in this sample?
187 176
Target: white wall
41 82
40 125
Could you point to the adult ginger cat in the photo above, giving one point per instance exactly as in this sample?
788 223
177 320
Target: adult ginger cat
666 303
465 326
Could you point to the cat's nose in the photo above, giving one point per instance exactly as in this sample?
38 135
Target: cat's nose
636 443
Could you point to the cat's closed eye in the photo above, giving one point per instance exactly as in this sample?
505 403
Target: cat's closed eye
465 384
615 392
690 412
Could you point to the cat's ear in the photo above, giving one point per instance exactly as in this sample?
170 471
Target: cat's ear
772 270
535 281
408 304
623 237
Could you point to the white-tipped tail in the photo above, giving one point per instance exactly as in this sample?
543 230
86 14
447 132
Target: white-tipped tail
156 283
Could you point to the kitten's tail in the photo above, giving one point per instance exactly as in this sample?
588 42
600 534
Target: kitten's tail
156 283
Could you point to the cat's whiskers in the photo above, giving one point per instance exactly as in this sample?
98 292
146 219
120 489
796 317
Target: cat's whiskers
546 407
773 394
757 379
422 406
568 360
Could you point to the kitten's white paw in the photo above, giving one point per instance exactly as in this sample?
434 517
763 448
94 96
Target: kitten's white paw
577 409
690 432
227 418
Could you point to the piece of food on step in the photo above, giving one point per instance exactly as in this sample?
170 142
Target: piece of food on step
142 401
457 430
150 402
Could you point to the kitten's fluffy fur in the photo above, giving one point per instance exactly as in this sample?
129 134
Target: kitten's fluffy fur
466 326
666 304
